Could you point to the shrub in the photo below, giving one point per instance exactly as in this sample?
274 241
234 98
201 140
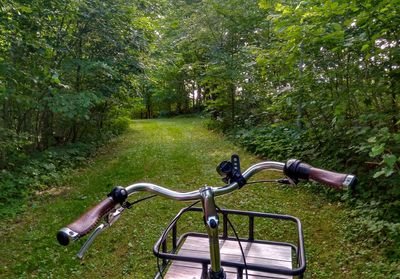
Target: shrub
276 141
372 153
37 172
119 124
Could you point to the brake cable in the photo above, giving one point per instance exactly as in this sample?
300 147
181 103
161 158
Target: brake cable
165 233
280 180
238 240
128 205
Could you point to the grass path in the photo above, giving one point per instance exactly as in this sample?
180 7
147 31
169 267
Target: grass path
180 154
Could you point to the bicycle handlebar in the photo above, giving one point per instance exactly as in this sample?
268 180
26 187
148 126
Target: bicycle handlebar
294 169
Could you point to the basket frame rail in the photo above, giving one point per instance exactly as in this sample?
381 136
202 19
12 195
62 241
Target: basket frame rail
160 248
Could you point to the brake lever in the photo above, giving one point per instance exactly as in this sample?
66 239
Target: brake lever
90 240
288 180
109 220
112 217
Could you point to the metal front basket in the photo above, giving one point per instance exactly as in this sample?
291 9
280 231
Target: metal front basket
188 256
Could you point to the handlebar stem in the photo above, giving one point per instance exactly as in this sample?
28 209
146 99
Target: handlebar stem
211 221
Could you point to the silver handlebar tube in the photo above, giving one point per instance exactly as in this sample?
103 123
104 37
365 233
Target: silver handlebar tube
195 195
188 196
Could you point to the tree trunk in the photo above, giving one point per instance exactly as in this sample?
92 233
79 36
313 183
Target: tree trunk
232 90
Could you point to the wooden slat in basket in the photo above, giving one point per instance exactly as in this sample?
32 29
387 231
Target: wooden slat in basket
265 254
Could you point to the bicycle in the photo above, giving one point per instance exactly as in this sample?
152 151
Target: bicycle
224 256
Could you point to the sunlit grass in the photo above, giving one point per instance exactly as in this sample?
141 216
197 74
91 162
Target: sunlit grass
180 154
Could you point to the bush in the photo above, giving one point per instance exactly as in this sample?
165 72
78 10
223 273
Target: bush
369 225
372 153
119 124
12 147
39 171
277 141
214 124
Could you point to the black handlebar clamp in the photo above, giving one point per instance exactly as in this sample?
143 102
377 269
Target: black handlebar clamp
296 169
230 171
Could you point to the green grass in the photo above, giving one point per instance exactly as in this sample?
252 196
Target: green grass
180 154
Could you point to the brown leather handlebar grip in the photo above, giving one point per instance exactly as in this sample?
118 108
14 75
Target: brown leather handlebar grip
333 179
88 220
296 170
84 224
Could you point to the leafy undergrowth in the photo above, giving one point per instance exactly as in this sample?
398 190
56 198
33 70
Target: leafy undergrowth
180 154
35 173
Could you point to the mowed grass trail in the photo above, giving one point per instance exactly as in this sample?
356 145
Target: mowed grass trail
180 154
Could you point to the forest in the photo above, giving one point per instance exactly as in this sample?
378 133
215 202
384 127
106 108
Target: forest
318 80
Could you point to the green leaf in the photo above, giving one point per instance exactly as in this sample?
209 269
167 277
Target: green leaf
377 150
55 79
390 160
337 26
379 173
388 172
279 7
365 47
25 9
396 137
264 4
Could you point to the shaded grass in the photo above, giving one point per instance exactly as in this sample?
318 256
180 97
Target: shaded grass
182 155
